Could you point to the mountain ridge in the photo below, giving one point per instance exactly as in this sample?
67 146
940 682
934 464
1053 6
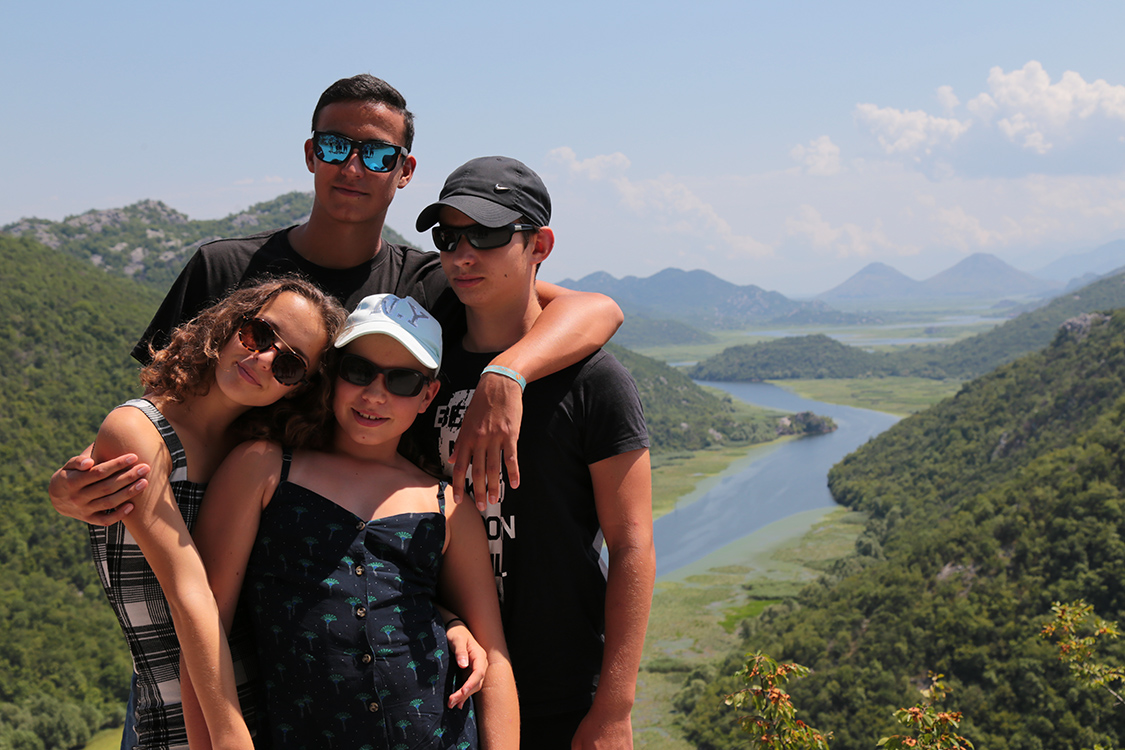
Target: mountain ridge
1099 261
150 242
980 275
700 298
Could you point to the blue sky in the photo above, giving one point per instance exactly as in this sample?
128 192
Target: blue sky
780 144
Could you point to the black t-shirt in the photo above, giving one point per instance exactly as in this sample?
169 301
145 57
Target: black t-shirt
219 267
544 537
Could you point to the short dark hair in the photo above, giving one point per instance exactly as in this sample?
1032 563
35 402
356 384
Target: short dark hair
367 88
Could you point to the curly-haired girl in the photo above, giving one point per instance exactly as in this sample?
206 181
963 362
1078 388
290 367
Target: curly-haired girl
251 365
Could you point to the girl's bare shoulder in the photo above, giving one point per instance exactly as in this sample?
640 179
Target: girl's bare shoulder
128 430
258 449
253 459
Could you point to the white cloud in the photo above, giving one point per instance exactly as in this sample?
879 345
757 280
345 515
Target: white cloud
947 99
968 233
668 202
908 131
844 241
604 166
1018 127
821 157
1037 110
984 107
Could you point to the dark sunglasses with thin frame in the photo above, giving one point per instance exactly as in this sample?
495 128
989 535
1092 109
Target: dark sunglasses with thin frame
401 381
481 237
257 335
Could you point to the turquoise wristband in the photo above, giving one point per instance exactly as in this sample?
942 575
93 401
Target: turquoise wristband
508 373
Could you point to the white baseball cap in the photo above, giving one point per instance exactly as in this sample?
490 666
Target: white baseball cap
401 318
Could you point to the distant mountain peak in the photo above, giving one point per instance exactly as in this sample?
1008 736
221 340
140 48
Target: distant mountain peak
984 275
980 275
874 281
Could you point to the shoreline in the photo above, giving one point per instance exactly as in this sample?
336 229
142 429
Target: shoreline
757 551
680 479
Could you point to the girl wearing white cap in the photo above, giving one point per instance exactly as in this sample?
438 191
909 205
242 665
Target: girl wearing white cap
340 550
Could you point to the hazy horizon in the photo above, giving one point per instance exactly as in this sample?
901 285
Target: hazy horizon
785 146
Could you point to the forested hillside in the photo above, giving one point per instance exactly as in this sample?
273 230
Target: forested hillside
983 511
792 357
67 331
683 416
819 356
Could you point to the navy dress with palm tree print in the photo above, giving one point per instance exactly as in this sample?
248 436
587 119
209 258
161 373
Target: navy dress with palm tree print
352 650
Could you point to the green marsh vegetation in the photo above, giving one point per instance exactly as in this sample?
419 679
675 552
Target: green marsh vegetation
698 614
899 396
697 352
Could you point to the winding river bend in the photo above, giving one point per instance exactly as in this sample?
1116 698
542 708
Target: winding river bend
776 482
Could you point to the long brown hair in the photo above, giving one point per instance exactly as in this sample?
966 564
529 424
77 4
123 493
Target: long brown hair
186 366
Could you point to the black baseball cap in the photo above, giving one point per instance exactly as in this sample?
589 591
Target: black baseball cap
492 191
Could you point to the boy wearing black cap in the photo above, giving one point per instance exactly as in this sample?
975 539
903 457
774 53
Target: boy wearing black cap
575 628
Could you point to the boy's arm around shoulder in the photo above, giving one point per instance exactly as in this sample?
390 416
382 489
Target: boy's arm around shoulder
572 325
158 527
468 587
97 493
623 495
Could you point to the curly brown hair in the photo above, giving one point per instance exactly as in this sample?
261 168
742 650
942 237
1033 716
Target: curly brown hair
186 366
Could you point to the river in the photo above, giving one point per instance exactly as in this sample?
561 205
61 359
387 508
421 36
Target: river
778 480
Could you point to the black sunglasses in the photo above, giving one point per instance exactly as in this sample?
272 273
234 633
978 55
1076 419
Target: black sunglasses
480 237
377 156
401 381
257 335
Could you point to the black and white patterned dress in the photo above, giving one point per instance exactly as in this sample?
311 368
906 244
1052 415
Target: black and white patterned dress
137 599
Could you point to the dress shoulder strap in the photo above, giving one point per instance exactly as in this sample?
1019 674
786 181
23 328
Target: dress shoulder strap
441 496
286 461
167 432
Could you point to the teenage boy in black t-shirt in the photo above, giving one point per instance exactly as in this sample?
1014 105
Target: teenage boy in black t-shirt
575 630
